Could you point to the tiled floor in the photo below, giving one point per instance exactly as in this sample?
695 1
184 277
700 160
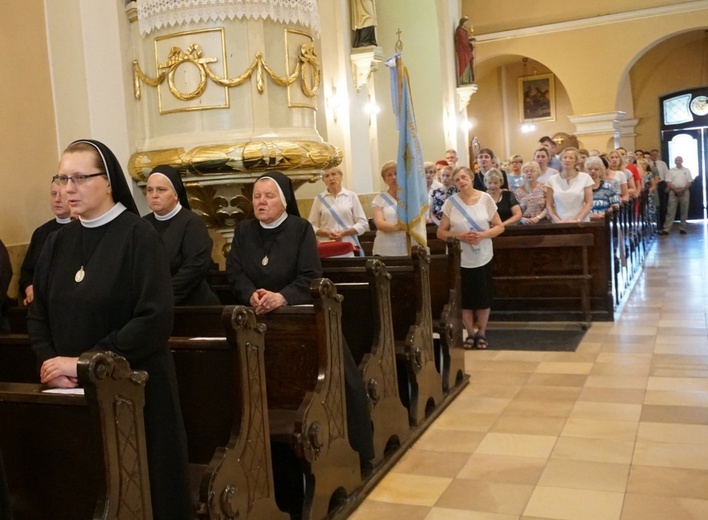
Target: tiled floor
617 430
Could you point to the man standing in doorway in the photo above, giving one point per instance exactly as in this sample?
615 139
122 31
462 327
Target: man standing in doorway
679 184
661 171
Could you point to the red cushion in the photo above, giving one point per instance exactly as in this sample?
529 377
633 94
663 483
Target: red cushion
327 249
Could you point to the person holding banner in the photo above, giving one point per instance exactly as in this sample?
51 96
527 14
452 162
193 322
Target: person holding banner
390 233
337 215
471 216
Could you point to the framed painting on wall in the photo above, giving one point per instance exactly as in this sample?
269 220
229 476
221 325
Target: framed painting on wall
537 98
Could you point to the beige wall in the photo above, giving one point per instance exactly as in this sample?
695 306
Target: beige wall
27 130
27 126
498 124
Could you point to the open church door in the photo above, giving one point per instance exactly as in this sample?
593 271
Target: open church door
684 132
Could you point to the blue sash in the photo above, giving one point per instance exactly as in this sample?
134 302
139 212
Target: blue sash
389 200
339 222
458 205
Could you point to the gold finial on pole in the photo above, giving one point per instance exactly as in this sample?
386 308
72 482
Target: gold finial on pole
399 43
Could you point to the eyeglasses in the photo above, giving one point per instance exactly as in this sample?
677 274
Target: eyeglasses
78 180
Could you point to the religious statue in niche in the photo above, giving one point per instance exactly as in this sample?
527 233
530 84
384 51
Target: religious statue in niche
464 52
363 22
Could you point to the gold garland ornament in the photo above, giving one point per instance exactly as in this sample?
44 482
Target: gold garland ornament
307 68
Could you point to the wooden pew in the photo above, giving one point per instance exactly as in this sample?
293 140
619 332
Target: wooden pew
366 325
305 395
411 322
219 283
446 308
221 381
78 456
306 400
530 300
573 274
616 258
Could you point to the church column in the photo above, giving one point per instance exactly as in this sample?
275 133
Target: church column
225 92
348 78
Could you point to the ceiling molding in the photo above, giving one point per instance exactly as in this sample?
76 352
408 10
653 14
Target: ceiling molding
584 23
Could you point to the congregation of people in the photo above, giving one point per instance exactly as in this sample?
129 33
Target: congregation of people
98 276
575 185
549 188
477 203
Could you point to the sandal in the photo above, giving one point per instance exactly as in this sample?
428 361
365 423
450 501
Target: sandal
480 342
470 343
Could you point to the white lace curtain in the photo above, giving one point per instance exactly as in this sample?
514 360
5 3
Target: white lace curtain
154 14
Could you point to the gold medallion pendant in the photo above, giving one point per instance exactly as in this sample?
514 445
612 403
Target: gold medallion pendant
264 262
79 276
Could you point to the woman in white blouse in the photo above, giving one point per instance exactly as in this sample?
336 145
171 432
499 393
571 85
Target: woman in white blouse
471 216
569 193
336 213
390 234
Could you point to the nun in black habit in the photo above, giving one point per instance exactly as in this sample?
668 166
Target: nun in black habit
185 236
273 260
62 216
102 282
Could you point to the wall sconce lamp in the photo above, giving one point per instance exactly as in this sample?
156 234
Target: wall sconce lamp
336 102
371 109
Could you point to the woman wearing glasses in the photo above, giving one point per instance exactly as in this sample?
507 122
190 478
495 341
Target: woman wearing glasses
184 235
514 176
102 282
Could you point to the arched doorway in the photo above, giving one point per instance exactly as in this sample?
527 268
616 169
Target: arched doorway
684 132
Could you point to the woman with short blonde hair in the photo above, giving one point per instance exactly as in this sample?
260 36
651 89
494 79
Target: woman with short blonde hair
531 195
569 193
507 205
390 234
471 216
336 214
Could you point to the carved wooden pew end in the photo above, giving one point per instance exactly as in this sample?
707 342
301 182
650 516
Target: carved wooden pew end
366 324
306 400
221 378
74 456
446 308
420 385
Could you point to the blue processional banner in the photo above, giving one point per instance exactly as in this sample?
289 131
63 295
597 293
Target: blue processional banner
410 173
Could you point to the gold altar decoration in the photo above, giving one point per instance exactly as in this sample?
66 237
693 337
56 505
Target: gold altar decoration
219 178
219 211
307 69
294 157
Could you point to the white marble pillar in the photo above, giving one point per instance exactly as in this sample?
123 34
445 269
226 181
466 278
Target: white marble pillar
226 95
